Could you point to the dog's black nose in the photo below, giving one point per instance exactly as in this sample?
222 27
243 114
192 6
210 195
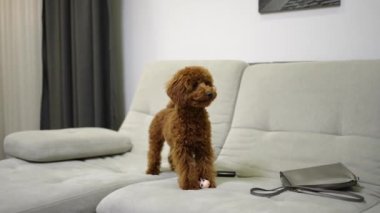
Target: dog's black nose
209 94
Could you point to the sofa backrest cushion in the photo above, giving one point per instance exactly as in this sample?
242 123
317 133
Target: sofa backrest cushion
294 115
151 97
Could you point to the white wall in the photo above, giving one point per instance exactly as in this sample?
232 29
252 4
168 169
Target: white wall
233 29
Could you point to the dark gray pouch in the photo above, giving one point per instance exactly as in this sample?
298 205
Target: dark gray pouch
333 180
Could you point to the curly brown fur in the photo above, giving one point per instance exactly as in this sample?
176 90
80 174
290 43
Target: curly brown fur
185 125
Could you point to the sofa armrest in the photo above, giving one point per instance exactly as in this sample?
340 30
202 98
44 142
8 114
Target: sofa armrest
65 144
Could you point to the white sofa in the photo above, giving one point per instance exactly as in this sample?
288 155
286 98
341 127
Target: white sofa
79 185
267 118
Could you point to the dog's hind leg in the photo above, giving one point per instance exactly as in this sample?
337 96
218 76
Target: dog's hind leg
170 158
154 156
156 143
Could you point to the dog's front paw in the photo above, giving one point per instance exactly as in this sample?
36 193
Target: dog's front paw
151 171
190 186
212 184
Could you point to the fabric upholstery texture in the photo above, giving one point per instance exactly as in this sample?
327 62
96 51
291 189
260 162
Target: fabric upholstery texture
296 115
66 186
287 116
79 185
338 98
65 144
267 118
231 195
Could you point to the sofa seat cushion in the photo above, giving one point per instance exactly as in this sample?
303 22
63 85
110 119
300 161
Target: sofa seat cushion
65 144
231 195
67 186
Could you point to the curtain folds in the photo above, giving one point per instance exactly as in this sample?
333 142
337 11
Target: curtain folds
20 66
82 73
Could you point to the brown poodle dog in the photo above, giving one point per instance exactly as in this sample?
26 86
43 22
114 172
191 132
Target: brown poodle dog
185 125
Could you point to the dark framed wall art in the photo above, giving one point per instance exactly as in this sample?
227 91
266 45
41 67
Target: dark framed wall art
270 6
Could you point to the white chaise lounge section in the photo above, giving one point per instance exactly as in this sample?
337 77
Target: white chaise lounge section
78 185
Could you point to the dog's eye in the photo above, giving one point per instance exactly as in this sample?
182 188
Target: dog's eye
195 84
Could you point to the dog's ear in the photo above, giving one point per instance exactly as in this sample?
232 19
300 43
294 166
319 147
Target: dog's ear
178 87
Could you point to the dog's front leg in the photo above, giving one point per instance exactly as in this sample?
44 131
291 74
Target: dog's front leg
205 164
186 169
206 170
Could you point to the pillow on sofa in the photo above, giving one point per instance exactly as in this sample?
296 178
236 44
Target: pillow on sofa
65 144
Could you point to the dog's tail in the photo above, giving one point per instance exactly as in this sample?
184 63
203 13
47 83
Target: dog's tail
170 104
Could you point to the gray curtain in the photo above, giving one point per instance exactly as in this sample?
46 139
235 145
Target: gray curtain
82 67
